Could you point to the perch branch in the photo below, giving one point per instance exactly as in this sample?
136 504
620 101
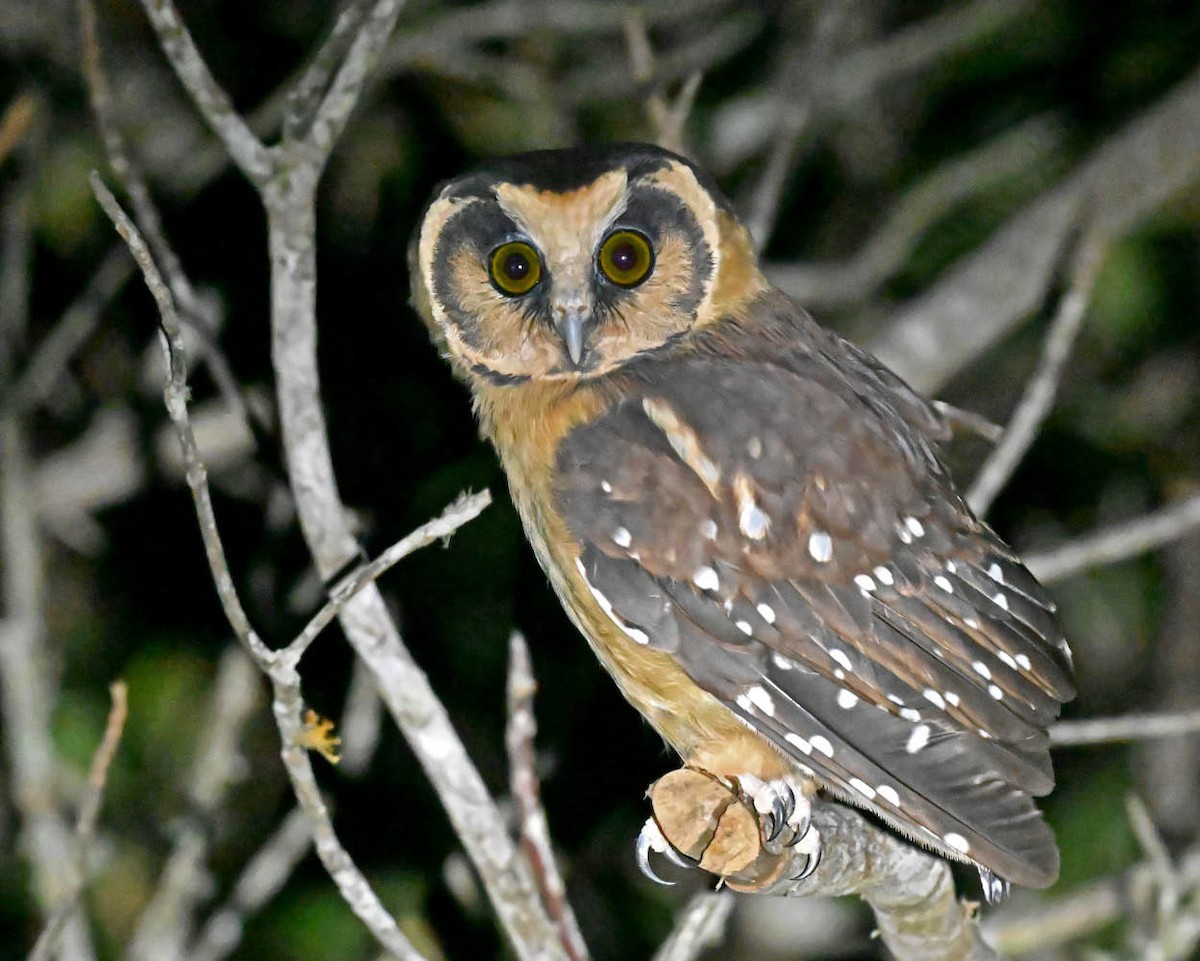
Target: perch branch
1127 727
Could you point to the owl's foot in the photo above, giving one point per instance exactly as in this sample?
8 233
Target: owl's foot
785 818
651 838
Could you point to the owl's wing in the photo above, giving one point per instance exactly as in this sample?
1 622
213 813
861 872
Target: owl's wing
805 559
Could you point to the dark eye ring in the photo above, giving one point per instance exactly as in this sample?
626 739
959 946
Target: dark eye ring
626 258
514 268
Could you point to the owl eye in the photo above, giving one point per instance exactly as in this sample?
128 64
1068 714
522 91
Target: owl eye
515 268
626 258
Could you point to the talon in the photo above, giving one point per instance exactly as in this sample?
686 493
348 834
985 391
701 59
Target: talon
813 849
650 838
777 806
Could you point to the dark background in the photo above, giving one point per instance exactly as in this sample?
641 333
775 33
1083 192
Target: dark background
131 596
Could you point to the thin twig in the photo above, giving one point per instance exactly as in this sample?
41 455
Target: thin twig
85 823
261 879
201 315
969 420
282 670
1116 543
1157 856
1039 394
304 95
701 925
464 510
533 829
1124 729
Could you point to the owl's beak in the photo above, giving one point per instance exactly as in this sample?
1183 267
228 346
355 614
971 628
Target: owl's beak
572 321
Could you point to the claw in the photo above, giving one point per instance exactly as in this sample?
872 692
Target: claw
995 889
650 838
809 844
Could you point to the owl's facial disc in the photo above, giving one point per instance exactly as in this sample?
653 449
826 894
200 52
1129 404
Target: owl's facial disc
563 282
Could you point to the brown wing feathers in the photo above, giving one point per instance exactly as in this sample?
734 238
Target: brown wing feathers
819 576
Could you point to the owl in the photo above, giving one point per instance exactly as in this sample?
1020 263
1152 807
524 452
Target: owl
743 514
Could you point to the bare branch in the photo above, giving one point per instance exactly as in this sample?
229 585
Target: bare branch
462 511
165 926
1116 543
1038 397
362 719
281 669
262 878
348 82
701 925
85 823
990 291
827 283
27 691
247 151
1126 728
531 816
666 118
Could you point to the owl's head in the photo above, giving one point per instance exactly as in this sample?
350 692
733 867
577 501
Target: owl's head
563 264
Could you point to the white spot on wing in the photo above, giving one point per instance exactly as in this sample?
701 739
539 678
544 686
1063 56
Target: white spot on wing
820 547
1000 601
958 842
952 699
751 520
996 574
888 793
708 529
621 537
994 691
862 788
918 739
781 662
971 623
797 741
934 698
915 526
840 656
767 613
1007 659
762 700
982 670
910 714
744 627
884 575
821 743
846 699
606 487
754 447
944 584
706 578
635 634
864 582
1023 660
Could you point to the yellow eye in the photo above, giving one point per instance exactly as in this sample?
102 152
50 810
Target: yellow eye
626 258
515 268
